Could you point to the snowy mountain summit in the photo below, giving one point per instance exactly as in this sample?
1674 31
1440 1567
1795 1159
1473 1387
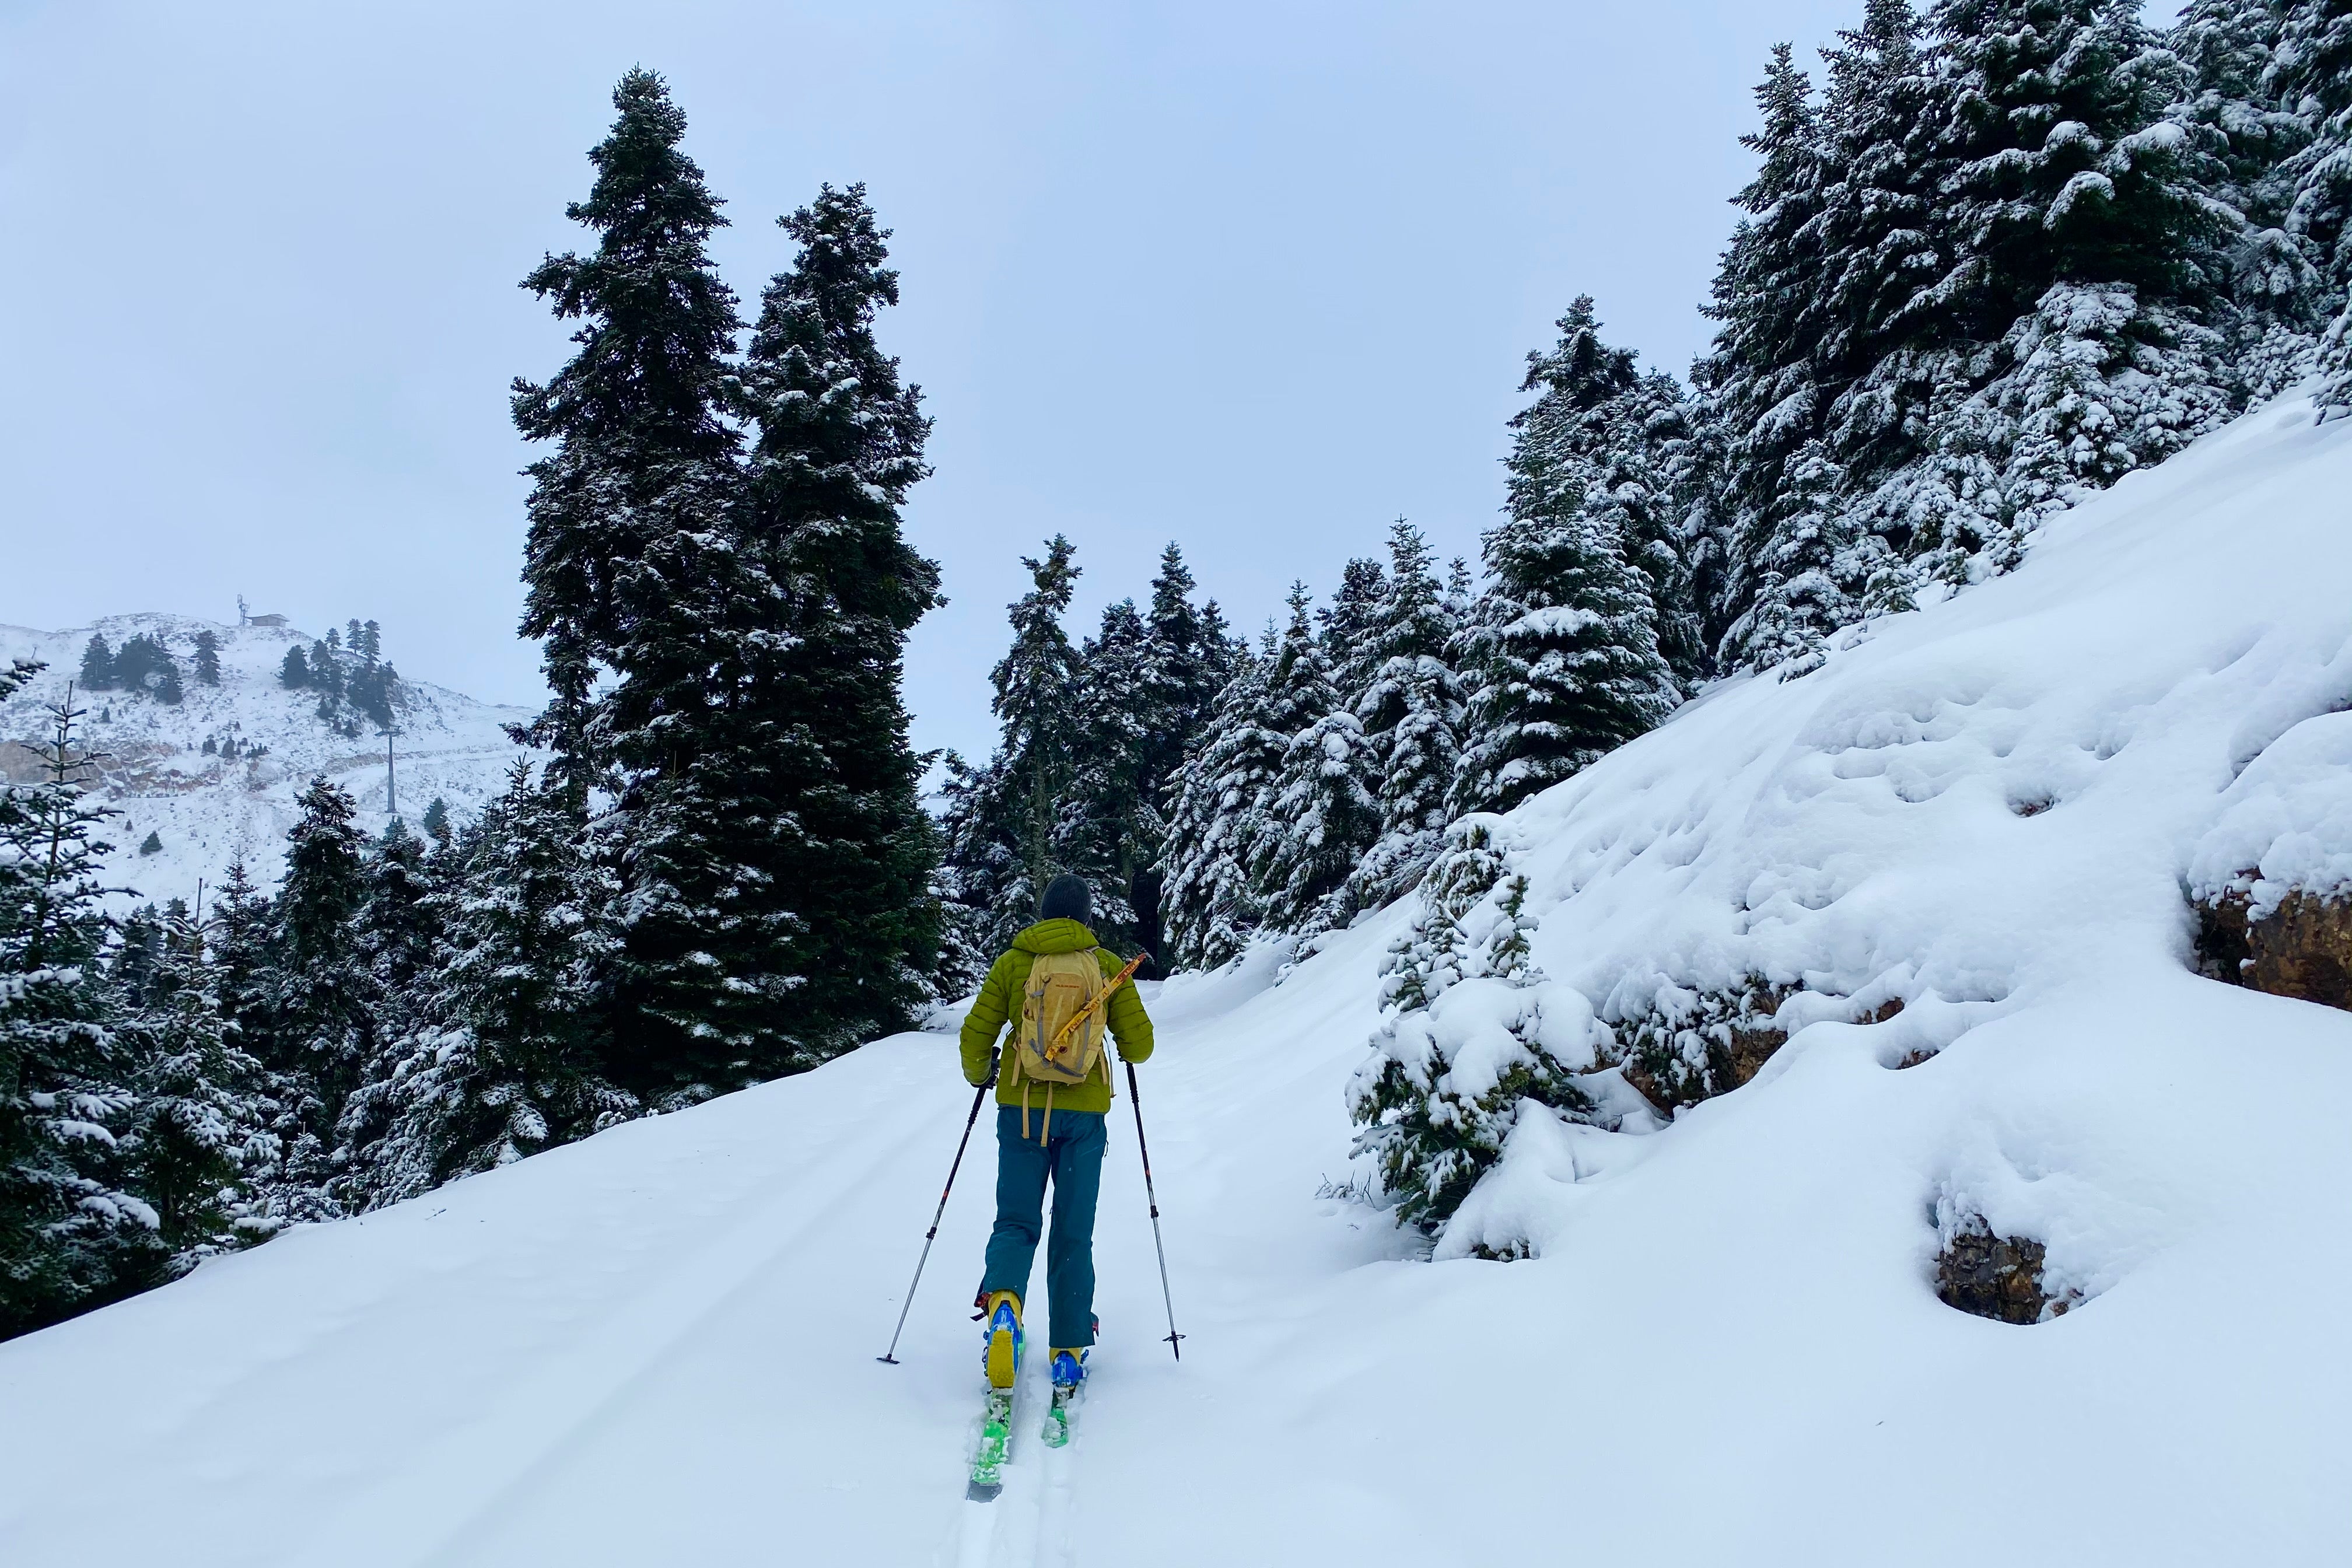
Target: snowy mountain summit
213 775
1726 1070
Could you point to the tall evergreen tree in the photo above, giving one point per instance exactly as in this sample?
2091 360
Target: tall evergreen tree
1412 712
313 1006
1322 813
1220 801
199 1105
1189 656
1562 654
1350 627
72 1234
1109 827
208 670
838 445
1036 707
636 417
97 665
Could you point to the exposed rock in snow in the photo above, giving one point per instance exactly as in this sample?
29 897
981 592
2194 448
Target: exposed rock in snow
207 810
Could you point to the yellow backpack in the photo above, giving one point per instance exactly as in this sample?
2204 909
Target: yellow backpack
1061 985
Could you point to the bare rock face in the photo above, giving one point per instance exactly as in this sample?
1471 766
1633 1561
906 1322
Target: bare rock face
2302 949
1997 1277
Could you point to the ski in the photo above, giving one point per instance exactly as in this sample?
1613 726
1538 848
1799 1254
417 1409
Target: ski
995 1438
1057 1417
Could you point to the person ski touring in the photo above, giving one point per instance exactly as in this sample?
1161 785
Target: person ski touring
1060 990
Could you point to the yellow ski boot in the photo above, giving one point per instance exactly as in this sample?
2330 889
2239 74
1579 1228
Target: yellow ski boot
1003 1354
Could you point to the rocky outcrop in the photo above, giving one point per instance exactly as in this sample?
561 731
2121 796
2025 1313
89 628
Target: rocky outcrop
2301 947
1997 1277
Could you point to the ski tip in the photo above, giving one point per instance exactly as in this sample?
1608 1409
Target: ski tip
982 1491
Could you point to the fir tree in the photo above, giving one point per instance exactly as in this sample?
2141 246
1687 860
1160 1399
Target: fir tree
311 1007
496 1057
1109 828
980 863
1432 1128
294 670
72 1234
1412 712
1349 627
837 448
199 1105
144 664
1561 653
97 665
1220 804
208 672
1758 375
1188 657
1036 706
1322 813
636 417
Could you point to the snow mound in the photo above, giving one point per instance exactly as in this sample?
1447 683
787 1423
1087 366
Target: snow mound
1995 811
207 811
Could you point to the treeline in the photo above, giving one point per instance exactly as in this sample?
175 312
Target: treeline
351 675
144 666
183 1082
1090 736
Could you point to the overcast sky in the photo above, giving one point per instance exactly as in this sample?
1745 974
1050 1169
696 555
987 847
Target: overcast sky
1257 277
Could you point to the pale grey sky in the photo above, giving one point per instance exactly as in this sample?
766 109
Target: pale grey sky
1255 277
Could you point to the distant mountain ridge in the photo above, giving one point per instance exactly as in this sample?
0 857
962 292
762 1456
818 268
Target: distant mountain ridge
207 810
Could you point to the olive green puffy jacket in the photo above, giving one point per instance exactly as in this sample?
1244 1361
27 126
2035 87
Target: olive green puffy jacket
1000 1001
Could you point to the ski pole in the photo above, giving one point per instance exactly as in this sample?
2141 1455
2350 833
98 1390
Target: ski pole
1144 1149
891 1355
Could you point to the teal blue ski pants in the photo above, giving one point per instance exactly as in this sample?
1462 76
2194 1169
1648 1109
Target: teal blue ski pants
1071 1156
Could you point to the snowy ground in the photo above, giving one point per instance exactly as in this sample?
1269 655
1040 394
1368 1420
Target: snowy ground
658 1346
208 812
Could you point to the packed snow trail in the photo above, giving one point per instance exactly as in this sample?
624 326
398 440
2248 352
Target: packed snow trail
658 1346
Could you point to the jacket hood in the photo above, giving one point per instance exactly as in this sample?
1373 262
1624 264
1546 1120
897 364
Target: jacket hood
1056 936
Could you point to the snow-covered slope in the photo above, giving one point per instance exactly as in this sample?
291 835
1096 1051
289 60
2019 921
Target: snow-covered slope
208 812
657 1346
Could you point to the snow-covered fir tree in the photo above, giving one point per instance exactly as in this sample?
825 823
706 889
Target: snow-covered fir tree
1221 802
73 1232
310 1019
1190 656
1322 814
1562 654
1410 709
498 1059
1464 1044
200 1107
637 417
838 445
1109 828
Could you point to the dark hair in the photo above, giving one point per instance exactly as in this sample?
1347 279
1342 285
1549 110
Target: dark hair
1067 898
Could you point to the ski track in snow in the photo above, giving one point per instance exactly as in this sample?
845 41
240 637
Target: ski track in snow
657 1346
